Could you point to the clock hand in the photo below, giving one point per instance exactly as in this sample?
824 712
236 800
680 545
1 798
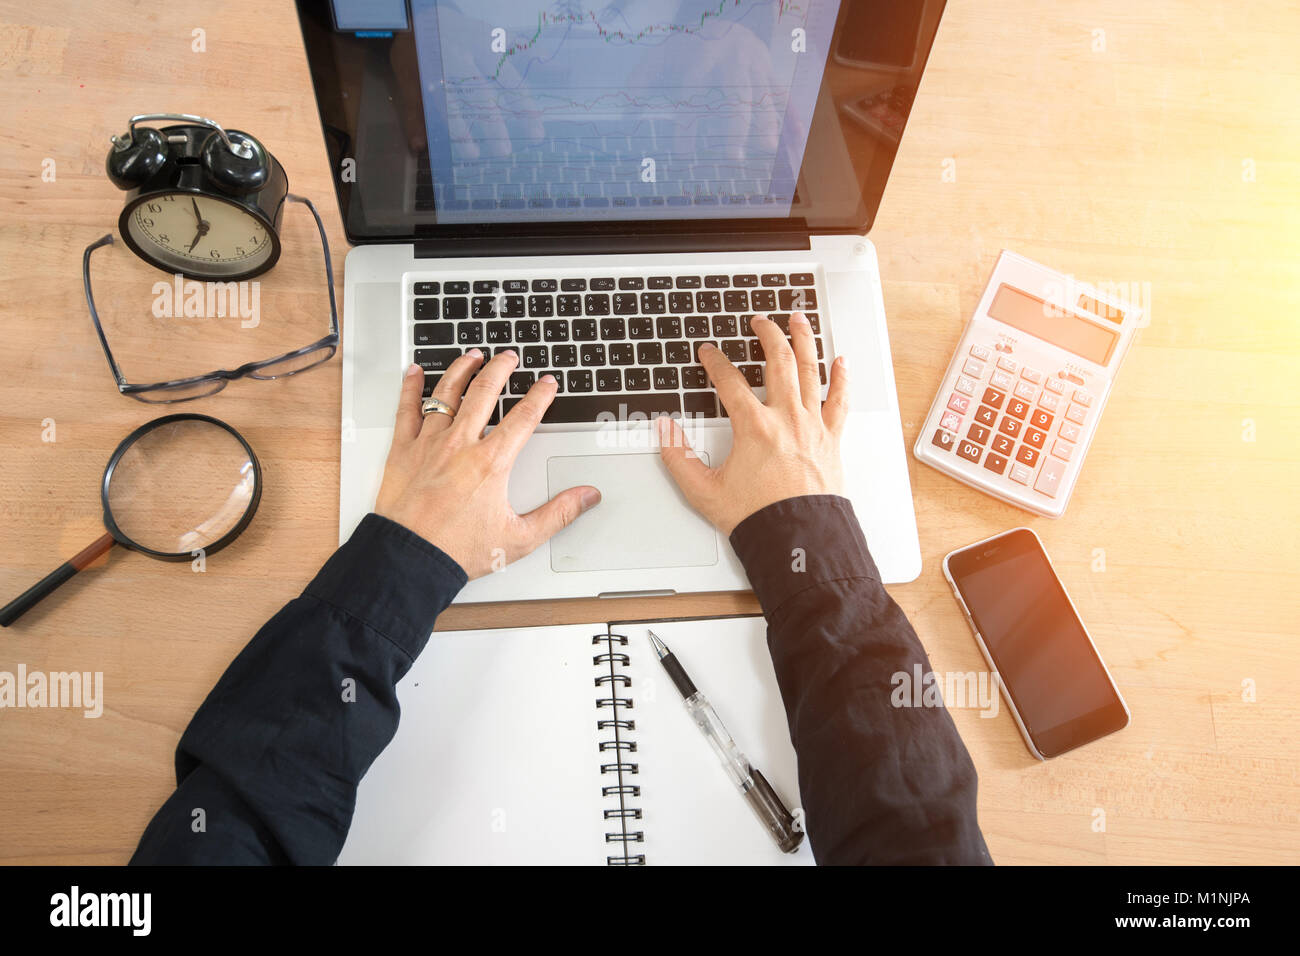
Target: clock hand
197 214
203 231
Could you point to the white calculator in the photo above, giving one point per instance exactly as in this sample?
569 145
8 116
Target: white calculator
1020 401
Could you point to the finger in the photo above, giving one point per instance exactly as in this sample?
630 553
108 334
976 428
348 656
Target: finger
805 360
481 396
780 375
690 474
835 410
521 421
407 427
737 397
558 513
451 387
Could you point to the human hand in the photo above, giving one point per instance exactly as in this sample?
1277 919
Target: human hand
785 447
446 481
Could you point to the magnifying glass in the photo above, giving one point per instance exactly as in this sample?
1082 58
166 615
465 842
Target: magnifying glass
175 486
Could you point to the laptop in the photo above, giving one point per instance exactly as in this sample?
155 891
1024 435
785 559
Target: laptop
601 188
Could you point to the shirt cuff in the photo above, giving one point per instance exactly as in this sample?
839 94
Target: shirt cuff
800 543
391 579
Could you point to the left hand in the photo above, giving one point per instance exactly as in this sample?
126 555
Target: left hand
446 481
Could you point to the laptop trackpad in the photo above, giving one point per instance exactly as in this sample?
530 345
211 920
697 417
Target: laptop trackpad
642 521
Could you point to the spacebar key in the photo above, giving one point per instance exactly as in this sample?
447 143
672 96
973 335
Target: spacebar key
607 408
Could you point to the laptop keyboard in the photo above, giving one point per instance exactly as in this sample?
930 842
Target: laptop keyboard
617 345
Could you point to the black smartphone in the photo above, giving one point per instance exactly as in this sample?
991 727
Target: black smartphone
1056 684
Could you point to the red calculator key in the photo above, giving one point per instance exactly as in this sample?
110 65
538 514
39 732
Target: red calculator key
986 416
1027 455
943 439
1009 426
1040 419
1018 408
969 450
958 403
994 398
1002 444
978 433
995 463
1034 437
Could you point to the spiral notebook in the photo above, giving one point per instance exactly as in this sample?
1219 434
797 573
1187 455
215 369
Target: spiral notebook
569 745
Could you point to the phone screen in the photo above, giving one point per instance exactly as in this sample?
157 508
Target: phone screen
1047 664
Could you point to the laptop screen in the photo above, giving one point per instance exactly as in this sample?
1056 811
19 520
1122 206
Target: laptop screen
449 118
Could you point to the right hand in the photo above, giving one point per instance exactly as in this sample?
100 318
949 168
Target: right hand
786 447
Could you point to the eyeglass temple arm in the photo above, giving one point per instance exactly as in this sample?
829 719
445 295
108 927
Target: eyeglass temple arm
94 315
329 267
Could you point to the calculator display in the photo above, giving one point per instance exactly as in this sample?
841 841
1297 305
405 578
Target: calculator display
1031 314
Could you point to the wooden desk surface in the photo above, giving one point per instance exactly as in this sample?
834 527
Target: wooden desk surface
1153 144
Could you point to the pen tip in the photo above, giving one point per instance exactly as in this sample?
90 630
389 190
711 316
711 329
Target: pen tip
661 649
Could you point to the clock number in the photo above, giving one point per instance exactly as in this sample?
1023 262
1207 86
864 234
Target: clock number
147 222
163 237
215 254
155 208
171 198
239 250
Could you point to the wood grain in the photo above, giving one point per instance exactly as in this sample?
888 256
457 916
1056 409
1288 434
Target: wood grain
1160 151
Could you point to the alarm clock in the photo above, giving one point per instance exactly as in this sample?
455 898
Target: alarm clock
201 201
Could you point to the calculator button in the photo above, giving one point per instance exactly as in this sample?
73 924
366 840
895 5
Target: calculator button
943 439
1076 413
980 352
1034 437
1001 380
994 398
965 385
1018 408
1026 391
1083 397
1009 426
1049 479
1062 449
1021 474
995 463
1040 419
958 403
1031 375
1027 455
1070 431
1049 401
1009 365
973 367
950 421
1002 444
969 450
986 415
1056 385
978 433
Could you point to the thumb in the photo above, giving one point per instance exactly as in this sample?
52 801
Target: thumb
558 513
684 465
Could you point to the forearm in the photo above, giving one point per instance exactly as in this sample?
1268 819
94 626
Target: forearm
274 755
879 784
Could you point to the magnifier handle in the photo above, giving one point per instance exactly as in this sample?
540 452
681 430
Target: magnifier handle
42 588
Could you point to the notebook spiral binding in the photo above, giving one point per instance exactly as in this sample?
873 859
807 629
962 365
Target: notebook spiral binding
614 701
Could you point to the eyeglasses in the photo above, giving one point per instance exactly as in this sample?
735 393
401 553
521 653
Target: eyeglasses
201 386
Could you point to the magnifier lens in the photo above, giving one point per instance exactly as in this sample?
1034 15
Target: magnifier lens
181 487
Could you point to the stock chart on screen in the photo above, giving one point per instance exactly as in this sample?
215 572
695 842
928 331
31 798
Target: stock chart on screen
635 109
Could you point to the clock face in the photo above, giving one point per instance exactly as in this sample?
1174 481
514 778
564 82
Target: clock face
199 235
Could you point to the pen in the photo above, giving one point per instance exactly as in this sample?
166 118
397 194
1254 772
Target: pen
753 786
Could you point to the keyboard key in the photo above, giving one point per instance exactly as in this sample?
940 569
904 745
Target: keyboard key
595 303
745 280
972 368
736 300
659 282
426 288
993 398
555 330
1027 391
978 433
568 305
665 377
652 303
995 463
958 403
529 330
1031 375
771 279
592 354
1062 449
1040 419
1070 431
520 382
1010 426
636 379
579 380
641 327
1002 444
620 353
573 285
436 360
1034 437
426 308
584 330
512 307
969 450
469 333
609 380
499 333
456 288
483 306
1018 408
540 306
679 303
981 353
696 327
631 282
1027 455
649 353
1056 385
985 416
688 282
431 380
1050 478
515 285
724 326
700 405
668 327
434 333
735 350
455 308
601 285
611 329
625 303
1021 474
801 278
485 286
696 346
942 439
797 300
596 407
1077 414
717 282
1049 401
756 353
951 421
678 353
753 374
762 300
557 375
708 302
1001 380
1083 397
694 376
535 356
1008 365
965 385
564 356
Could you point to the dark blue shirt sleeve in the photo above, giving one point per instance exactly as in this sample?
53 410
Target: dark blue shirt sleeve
879 784
267 770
